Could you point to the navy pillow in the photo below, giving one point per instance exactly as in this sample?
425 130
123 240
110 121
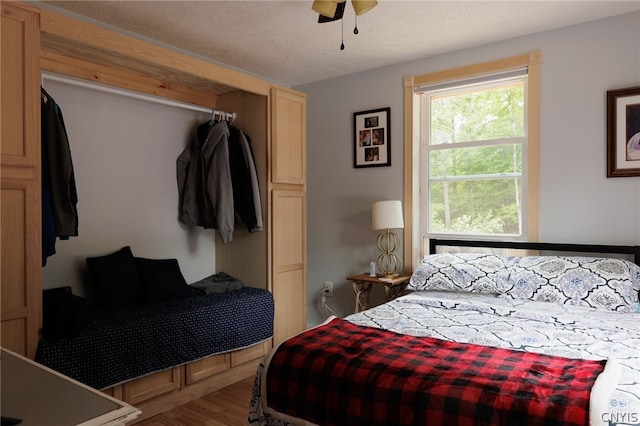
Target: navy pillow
114 278
161 279
61 313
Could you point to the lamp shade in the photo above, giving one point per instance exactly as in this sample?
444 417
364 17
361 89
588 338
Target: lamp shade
363 6
326 7
386 215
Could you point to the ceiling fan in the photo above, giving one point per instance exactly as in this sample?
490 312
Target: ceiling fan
333 10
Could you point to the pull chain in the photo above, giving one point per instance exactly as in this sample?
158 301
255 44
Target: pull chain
342 41
355 29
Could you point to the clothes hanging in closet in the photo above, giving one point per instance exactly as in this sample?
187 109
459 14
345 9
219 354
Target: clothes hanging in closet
59 193
244 179
217 181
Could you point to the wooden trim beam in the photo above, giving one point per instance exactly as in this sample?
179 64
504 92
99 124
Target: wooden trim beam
76 39
474 70
109 76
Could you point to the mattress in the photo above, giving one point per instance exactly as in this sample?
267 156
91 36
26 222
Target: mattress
542 327
116 345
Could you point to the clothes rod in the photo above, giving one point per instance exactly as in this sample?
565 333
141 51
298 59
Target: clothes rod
123 92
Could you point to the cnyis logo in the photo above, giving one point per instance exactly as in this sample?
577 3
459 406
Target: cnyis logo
621 419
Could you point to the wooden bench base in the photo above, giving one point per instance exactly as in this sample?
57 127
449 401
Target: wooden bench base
167 389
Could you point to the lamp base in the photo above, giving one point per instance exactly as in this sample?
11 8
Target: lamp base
388 275
388 263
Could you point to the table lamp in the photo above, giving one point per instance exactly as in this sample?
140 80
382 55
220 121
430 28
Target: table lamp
387 215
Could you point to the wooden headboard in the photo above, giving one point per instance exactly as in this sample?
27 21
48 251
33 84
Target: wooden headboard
634 251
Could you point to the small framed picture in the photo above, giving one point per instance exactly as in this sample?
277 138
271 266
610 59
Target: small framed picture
623 132
371 138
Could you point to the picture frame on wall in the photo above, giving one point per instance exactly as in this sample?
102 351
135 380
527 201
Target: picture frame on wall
372 138
623 132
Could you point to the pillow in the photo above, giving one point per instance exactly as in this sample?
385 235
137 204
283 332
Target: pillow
602 283
61 312
468 272
161 279
114 278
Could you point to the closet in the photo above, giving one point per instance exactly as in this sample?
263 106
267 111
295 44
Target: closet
20 204
35 40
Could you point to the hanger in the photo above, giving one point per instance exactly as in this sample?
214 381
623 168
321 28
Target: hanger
44 95
222 116
213 117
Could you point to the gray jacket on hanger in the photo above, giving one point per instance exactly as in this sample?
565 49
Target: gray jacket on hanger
204 181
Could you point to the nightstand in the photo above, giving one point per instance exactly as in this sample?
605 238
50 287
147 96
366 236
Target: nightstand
393 287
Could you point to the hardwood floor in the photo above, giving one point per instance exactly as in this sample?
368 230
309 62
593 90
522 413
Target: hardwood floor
226 407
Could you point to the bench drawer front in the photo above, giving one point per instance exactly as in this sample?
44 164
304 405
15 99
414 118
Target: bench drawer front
207 367
250 353
156 384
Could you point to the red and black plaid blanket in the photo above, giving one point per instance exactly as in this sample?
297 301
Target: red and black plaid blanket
344 374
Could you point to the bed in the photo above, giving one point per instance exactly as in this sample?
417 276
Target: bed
145 319
115 346
530 334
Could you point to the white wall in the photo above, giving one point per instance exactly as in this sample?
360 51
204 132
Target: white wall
124 155
577 202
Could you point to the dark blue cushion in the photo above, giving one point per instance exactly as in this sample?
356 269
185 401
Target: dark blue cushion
161 279
114 278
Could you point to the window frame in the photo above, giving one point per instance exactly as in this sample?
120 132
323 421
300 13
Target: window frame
414 246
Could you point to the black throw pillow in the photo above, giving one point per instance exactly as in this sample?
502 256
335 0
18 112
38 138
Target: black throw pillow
114 278
161 279
61 312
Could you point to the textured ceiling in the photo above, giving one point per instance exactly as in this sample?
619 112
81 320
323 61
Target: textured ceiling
282 41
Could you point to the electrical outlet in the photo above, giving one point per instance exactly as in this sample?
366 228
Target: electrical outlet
327 288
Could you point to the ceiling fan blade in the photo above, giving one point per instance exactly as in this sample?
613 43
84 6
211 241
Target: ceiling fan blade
338 15
363 6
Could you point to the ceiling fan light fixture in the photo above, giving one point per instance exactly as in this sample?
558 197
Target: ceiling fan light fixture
333 10
326 8
363 6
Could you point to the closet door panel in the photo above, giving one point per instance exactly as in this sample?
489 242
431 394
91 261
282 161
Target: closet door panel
13 274
21 265
289 263
290 303
20 76
289 137
288 228
20 203
13 335
12 87
13 285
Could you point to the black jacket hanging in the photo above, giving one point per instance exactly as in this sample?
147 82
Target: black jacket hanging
244 178
59 193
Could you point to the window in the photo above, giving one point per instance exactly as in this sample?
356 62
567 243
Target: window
471 171
472 151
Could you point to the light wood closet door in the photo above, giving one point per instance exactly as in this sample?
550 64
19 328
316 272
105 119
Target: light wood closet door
289 258
289 137
288 209
20 205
